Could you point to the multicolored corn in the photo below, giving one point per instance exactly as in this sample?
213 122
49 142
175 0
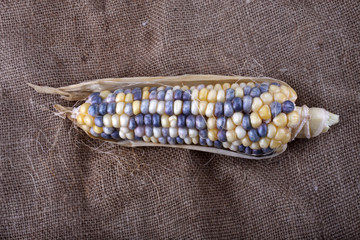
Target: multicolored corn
248 117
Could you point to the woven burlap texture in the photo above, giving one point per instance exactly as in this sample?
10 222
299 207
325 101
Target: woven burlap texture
58 183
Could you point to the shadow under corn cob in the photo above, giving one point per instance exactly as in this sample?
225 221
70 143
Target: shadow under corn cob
254 117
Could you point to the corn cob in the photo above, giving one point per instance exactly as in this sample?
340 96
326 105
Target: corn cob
249 117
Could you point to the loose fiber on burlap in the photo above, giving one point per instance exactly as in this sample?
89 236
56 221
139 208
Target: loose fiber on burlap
58 183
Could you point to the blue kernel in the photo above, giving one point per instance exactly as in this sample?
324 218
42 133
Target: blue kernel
178 94
264 87
221 122
99 121
169 108
190 121
253 135
156 119
201 86
237 104
257 152
255 92
103 108
247 102
246 124
165 132
248 150
153 89
137 89
222 136
276 84
136 138
200 122
153 95
127 91
241 148
92 132
171 140
262 130
181 120
148 120
96 100
120 90
115 135
218 144
247 90
203 133
139 119
186 107
186 95
209 142
144 108
108 130
288 106
275 109
161 95
106 136
183 132
202 141
93 110
228 109
139 131
110 98
219 109
128 109
162 140
267 150
137 95
179 140
168 88
95 94
111 108
132 123
148 131
230 94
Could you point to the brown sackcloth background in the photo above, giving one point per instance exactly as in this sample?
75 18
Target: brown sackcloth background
58 183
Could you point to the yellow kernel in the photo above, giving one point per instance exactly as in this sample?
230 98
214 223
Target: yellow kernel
107 120
165 121
120 97
255 120
154 139
97 129
230 124
265 112
120 108
293 95
104 94
89 120
195 140
255 146
251 84
146 88
225 86
234 85
293 119
230 136
146 138
212 134
280 97
285 90
203 94
280 120
287 138
145 94
136 107
195 94
271 130
280 134
80 118
220 96
264 142
209 86
202 107
211 123
212 95
267 98
217 87
85 128
84 108
246 141
185 87
129 98
239 92
275 144
273 89
256 104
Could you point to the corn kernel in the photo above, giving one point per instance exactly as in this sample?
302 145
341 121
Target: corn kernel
230 136
267 98
97 129
265 112
115 120
124 120
285 90
129 98
212 134
146 88
239 92
209 86
178 107
154 139
255 146
203 94
271 130
120 97
240 132
212 95
145 94
280 120
273 89
264 142
230 124
220 96
84 108
185 87
146 139
136 107
107 120
251 84
195 95
120 108
293 119
85 128
89 120
80 118
237 118
225 86
280 97
280 134
209 112
104 94
195 107
195 140
173 121
246 141
202 107
275 144
234 85
293 95
256 104
217 87
255 120
165 121
287 138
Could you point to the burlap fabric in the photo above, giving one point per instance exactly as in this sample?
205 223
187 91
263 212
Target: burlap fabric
58 183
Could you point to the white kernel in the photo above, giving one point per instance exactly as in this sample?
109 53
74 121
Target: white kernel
107 120
178 107
124 129
226 145
195 95
161 107
154 139
173 132
120 108
153 106
233 147
173 121
209 112
240 132
220 96
122 135
193 132
230 124
194 107
195 140
157 132
237 118
130 135
146 139
124 120
115 119
187 140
